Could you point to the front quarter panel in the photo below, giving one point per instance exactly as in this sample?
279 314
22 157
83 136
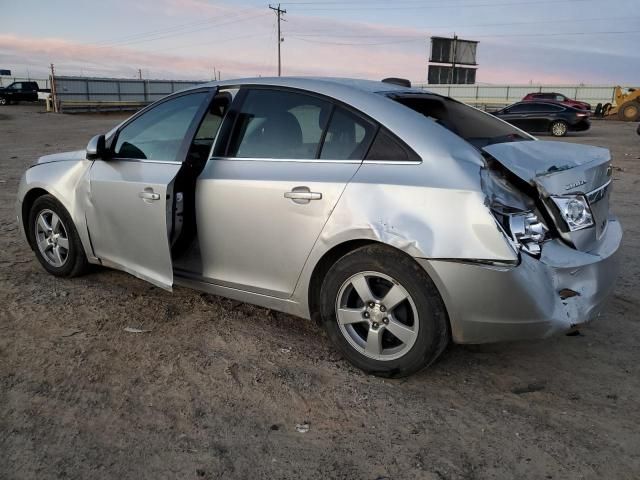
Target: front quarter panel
67 181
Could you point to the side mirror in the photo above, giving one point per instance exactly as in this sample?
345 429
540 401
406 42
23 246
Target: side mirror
96 148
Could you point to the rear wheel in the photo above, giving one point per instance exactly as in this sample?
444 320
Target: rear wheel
4 101
55 239
383 312
559 128
629 112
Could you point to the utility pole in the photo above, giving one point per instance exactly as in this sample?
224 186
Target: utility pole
453 60
140 74
53 89
279 13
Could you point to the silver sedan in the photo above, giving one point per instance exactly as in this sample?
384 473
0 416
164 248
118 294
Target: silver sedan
398 219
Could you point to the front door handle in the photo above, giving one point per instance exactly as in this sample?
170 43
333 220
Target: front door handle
302 195
149 195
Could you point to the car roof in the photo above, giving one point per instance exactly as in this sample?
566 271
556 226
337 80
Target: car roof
317 84
540 102
357 83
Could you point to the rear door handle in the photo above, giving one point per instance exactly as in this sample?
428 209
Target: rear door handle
302 195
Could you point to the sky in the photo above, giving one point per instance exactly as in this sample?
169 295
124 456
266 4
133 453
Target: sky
521 41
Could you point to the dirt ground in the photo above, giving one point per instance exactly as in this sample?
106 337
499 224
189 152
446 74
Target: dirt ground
216 388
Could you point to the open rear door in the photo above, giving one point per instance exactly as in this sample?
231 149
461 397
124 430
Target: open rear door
131 192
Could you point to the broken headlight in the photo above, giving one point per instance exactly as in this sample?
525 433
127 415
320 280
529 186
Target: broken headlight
575 211
524 228
527 230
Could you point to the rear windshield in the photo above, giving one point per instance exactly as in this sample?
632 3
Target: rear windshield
476 127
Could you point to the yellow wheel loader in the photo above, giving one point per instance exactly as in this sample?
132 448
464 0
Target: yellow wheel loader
626 107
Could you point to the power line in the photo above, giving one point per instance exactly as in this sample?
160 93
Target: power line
423 38
416 39
154 37
172 28
345 6
438 27
559 34
223 40
267 58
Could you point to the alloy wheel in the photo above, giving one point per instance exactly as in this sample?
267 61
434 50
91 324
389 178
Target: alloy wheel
559 129
3 101
52 238
377 316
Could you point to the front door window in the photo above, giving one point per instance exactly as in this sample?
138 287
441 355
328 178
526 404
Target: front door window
159 133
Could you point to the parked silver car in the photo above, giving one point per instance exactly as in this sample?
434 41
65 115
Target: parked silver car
398 219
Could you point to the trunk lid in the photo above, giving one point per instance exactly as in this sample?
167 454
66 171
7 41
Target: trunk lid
557 169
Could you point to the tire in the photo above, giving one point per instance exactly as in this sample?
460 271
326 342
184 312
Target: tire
419 314
70 260
598 111
4 101
629 111
558 128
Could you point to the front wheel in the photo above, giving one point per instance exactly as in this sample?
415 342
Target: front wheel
54 238
559 128
630 111
383 312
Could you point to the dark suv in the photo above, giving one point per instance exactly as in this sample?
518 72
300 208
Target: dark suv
19 92
542 117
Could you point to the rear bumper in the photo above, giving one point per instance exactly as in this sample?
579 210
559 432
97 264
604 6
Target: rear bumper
491 304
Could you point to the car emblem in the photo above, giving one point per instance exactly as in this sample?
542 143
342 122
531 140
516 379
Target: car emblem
575 184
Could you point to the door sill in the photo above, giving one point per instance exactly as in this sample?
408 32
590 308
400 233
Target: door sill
197 282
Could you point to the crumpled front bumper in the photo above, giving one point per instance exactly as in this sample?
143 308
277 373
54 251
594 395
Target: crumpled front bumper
491 304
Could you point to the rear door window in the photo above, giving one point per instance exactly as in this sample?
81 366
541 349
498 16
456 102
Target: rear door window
522 108
279 124
540 108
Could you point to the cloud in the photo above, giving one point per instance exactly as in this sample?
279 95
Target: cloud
73 56
241 41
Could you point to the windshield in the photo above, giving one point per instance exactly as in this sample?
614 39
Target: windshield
478 128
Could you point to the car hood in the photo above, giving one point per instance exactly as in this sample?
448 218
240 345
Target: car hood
63 157
555 168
